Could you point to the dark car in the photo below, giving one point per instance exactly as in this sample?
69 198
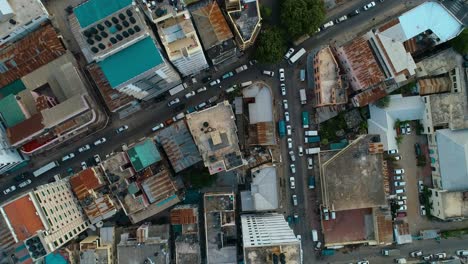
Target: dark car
179 108
354 13
417 149
206 79
21 177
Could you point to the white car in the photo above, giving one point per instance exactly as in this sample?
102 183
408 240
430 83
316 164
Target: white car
173 102
369 6
288 54
121 129
281 74
84 148
292 182
190 94
397 157
401 198
290 143
283 89
440 255
392 151
422 210
69 156
9 190
97 158
99 141
363 262
398 171
286 116
397 178
301 151
403 208
25 183
269 73
399 183
84 166
215 82
327 25
201 90
417 253
293 168
289 129
156 128
341 19
294 199
310 163
285 104
291 155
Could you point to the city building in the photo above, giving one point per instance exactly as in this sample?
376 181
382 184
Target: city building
143 154
245 20
178 36
215 34
93 251
10 157
115 33
330 85
179 146
263 194
258 98
90 189
141 194
269 236
145 244
214 131
185 221
449 205
45 219
382 120
355 195
220 227
16 21
48 105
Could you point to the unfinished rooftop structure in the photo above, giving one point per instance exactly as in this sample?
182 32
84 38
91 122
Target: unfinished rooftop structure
185 222
245 20
215 133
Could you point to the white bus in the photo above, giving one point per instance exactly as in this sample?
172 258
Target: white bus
297 56
45 168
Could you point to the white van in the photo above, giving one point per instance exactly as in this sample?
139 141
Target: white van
245 84
314 235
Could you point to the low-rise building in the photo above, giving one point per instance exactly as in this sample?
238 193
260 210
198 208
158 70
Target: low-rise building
449 205
93 251
145 244
9 157
245 20
263 194
214 131
185 221
220 227
269 236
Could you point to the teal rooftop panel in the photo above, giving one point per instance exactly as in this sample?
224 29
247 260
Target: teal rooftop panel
95 10
10 111
12 88
130 62
143 155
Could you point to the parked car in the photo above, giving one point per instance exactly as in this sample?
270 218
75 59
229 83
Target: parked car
401 198
420 186
173 102
201 90
269 73
354 13
285 104
416 254
397 157
301 151
97 158
281 74
417 149
9 189
327 25
402 202
403 208
288 130
292 156
399 183
227 75
400 191
121 129
293 168
84 148
292 183
422 210
283 89
253 62
363 262
427 257
341 19
286 116
201 105
215 82
189 94
392 151
21 177
408 128
398 171
369 6
288 54
440 255
290 143
397 178
84 166
68 157
310 163
206 79
294 199
99 141
462 252
157 127
25 183
241 68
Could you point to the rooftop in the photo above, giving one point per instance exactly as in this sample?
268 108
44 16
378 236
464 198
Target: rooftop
138 58
215 133
363 67
329 83
23 217
434 85
11 111
15 10
448 110
337 231
143 154
184 215
246 19
93 10
211 25
454 204
36 49
179 146
357 187
453 158
263 194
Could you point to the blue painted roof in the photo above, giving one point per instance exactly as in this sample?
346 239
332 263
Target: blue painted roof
130 62
94 10
430 15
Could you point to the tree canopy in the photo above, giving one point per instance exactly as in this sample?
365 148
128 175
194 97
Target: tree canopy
460 43
271 46
301 17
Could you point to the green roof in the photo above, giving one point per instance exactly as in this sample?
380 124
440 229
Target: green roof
143 155
10 111
95 10
130 62
12 88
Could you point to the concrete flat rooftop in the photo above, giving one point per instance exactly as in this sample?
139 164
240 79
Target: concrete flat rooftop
358 186
24 11
292 253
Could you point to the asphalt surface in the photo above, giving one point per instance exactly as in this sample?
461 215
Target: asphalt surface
140 125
